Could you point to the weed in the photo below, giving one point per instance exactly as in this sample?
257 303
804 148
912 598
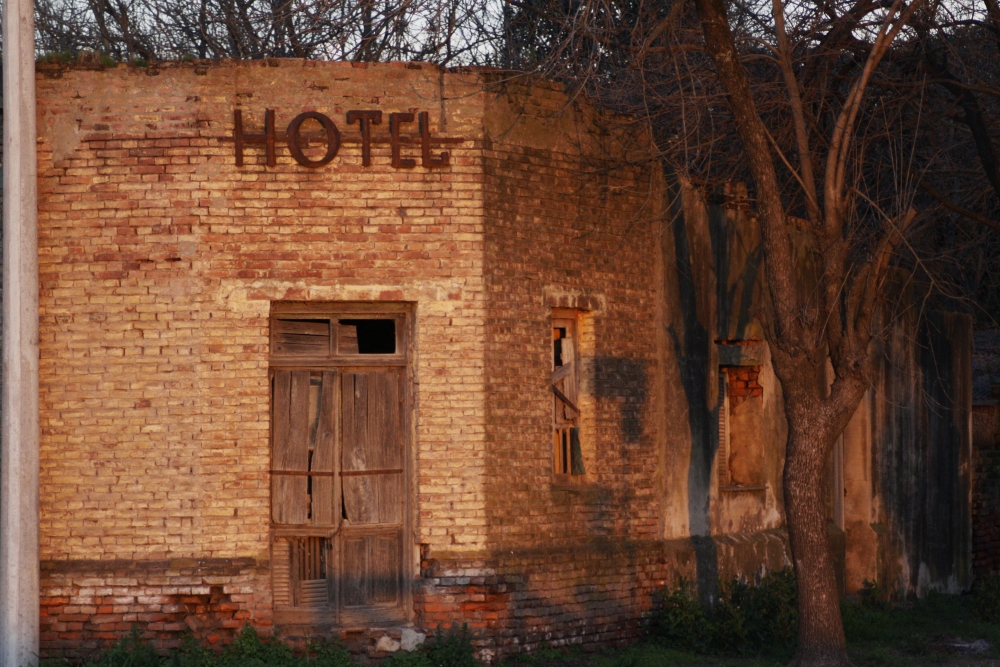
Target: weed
447 649
59 57
130 651
247 650
452 649
546 655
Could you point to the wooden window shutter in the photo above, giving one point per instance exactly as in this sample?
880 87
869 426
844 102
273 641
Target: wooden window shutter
568 458
326 488
281 575
372 447
304 442
372 454
290 450
723 450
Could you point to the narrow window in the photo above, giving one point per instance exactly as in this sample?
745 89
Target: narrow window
567 455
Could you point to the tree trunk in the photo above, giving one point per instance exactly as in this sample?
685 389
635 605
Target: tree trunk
821 631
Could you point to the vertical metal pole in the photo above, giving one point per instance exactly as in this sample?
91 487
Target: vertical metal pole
19 435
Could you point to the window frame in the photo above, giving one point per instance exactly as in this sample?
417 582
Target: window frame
565 456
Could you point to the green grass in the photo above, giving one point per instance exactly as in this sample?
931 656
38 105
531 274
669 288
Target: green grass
914 634
919 633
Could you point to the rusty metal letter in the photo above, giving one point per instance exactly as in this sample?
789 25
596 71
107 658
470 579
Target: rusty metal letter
365 119
295 140
425 145
395 120
267 138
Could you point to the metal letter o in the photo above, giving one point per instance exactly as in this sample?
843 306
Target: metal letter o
332 139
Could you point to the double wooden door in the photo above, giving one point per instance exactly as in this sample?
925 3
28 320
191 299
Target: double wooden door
338 494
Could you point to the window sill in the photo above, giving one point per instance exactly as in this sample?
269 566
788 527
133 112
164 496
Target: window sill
740 488
569 482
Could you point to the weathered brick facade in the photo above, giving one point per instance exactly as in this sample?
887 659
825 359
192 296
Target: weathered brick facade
160 262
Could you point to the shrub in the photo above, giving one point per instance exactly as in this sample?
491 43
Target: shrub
452 649
681 621
747 619
872 595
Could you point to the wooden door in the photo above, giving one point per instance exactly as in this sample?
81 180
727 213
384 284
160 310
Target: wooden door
338 460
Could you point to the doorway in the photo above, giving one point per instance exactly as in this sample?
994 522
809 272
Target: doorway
340 380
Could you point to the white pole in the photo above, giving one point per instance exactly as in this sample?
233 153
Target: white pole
19 570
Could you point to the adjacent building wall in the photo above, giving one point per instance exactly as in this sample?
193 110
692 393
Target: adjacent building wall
920 411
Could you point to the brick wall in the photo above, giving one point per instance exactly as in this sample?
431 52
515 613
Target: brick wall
159 260
90 603
742 383
587 595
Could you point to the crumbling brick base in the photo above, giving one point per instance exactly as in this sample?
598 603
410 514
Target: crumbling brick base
591 595
86 605
588 595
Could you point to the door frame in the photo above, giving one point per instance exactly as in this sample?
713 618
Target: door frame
404 314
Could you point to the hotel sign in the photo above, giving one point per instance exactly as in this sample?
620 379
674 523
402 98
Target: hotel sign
297 141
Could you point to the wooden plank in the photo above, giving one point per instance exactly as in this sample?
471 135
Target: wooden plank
281 385
360 499
291 452
300 337
355 589
576 452
317 363
386 427
385 561
325 500
569 405
281 573
569 387
341 308
347 338
561 372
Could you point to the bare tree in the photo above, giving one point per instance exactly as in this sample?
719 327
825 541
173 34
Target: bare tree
442 31
834 112
873 121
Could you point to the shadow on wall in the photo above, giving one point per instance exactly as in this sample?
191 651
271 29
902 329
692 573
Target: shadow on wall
692 346
624 381
715 274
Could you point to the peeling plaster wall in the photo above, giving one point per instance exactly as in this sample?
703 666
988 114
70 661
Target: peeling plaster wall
921 430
